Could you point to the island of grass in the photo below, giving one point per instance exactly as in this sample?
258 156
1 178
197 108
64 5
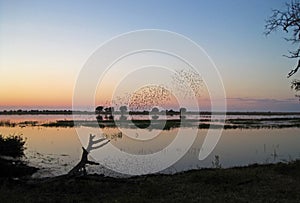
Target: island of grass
167 124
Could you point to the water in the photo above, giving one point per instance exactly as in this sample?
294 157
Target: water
56 150
91 117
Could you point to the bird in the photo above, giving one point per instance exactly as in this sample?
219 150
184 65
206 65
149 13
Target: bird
292 72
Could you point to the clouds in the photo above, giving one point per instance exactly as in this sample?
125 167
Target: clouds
263 104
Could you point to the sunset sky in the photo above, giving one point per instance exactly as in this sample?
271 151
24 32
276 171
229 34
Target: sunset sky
44 45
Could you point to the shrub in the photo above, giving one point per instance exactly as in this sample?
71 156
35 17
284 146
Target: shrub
12 145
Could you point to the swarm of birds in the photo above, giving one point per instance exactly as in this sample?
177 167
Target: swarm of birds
188 83
148 97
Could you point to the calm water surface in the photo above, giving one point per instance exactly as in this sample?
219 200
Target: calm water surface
56 150
51 118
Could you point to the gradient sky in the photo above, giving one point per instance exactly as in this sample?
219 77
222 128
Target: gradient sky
44 44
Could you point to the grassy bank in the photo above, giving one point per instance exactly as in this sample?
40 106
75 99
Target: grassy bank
256 183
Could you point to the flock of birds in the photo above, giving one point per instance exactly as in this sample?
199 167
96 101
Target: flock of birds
185 83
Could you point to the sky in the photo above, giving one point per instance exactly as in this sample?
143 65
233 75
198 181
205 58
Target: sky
45 44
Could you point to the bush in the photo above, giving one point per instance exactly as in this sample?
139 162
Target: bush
12 145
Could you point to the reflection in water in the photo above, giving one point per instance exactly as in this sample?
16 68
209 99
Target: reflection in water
57 150
54 150
243 147
92 117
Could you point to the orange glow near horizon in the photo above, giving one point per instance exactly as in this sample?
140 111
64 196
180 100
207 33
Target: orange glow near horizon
35 90
54 89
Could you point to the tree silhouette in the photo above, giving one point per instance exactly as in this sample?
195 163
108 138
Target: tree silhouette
109 112
182 113
123 110
155 111
170 112
289 21
99 109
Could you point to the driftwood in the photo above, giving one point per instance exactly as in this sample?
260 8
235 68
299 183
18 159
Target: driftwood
80 169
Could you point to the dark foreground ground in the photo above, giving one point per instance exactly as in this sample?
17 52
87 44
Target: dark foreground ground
256 183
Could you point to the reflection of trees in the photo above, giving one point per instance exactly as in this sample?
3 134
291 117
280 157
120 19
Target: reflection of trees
123 118
99 118
107 111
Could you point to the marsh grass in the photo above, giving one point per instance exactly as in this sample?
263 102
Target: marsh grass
59 123
7 123
168 124
29 123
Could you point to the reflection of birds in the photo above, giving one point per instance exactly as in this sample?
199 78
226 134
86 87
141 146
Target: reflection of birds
292 72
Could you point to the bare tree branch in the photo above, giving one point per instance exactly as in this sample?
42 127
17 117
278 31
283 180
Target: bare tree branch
80 169
289 21
296 85
292 72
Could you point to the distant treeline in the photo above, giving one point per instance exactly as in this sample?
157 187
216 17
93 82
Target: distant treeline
43 112
171 112
167 112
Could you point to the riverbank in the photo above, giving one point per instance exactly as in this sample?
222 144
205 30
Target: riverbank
15 168
256 183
